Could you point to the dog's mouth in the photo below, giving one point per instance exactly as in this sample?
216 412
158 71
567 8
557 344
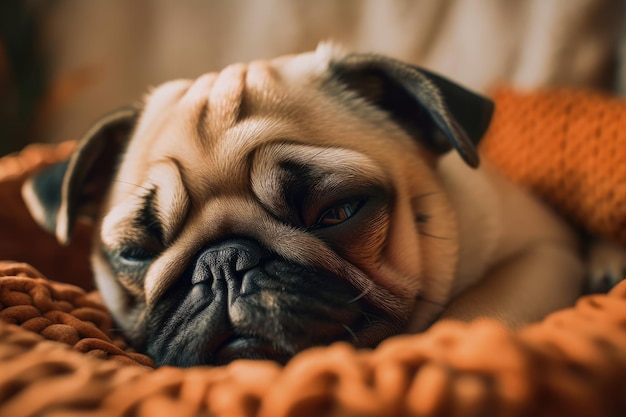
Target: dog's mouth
243 347
267 309
253 328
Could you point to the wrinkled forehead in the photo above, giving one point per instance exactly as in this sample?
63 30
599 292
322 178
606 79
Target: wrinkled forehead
218 100
237 105
211 126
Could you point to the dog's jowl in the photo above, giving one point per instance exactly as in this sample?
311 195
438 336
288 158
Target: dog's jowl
294 202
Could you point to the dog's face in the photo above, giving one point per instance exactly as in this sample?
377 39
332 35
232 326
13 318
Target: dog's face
270 207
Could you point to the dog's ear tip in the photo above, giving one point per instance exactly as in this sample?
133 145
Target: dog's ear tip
41 196
468 152
52 195
63 236
473 162
488 110
31 201
463 116
484 116
36 206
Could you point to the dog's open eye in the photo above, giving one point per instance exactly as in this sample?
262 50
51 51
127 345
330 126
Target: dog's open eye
339 213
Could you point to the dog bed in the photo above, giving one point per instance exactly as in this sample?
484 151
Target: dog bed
60 354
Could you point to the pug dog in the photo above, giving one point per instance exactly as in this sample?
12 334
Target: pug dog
287 203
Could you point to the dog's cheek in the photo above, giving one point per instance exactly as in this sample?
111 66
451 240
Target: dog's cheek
125 307
361 239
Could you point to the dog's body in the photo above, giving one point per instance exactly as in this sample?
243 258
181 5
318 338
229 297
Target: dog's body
287 203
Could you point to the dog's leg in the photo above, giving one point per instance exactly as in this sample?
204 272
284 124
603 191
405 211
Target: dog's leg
532 263
544 278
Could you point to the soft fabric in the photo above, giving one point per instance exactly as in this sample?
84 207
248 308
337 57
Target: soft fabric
569 147
61 312
572 364
59 354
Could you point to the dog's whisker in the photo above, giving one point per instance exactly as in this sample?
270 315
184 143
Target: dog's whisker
420 298
423 233
361 295
349 330
133 184
369 317
424 195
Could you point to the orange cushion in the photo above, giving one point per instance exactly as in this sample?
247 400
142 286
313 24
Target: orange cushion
569 147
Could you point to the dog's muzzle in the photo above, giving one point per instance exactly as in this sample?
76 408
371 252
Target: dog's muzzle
239 300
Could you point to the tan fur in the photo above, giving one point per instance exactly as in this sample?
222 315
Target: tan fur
301 121
211 150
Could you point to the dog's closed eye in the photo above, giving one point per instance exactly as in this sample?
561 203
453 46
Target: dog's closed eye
136 254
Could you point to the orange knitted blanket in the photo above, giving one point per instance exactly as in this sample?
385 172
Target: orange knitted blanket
59 354
569 147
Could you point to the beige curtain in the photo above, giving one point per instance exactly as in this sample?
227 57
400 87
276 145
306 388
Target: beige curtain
106 52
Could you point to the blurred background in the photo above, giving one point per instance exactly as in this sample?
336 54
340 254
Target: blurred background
64 63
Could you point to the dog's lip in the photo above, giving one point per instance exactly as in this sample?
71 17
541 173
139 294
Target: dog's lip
246 347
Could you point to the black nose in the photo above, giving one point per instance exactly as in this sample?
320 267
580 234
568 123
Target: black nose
227 260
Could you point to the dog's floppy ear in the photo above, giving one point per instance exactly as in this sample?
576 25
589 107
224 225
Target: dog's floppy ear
57 196
430 107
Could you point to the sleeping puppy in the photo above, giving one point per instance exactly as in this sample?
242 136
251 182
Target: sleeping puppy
282 204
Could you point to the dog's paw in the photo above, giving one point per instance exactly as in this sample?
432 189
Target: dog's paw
606 266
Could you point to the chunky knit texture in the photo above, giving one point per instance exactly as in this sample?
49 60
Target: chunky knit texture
569 147
572 364
59 355
61 312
